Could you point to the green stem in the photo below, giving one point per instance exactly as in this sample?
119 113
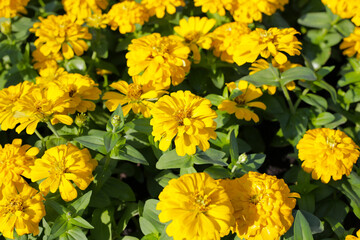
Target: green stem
306 90
106 82
51 127
39 135
41 2
287 97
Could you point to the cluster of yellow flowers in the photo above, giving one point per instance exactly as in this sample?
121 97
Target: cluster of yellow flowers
56 94
255 206
21 206
11 8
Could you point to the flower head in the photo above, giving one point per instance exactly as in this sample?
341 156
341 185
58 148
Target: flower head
15 160
351 237
194 32
186 117
262 205
50 61
125 15
83 9
351 44
327 153
63 33
200 202
163 59
240 105
61 164
97 20
11 8
262 64
214 6
262 42
158 8
137 96
345 9
22 208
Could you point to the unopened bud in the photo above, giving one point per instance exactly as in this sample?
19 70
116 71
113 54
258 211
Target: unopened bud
80 120
242 158
5 27
116 120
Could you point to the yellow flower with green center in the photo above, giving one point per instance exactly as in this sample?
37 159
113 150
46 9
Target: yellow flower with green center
61 164
83 9
194 33
187 118
262 64
15 161
22 208
8 98
158 8
163 59
240 105
11 8
351 237
351 44
138 96
63 32
345 9
125 15
272 42
199 201
327 153
262 205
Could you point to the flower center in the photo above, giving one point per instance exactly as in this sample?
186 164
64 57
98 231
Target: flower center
181 114
192 36
201 202
254 199
240 100
134 91
330 141
14 204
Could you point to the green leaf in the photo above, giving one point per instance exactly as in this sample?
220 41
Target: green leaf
215 99
93 142
337 228
235 93
76 64
315 100
339 119
170 160
302 229
210 156
131 210
324 85
61 225
345 27
269 76
80 204
307 202
151 236
316 225
294 125
146 226
217 172
60 209
79 221
349 78
116 121
164 177
110 140
151 214
116 188
99 43
218 79
315 20
76 233
141 125
254 161
297 73
323 119
100 199
234 150
128 153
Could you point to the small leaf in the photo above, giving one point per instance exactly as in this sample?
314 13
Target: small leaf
315 20
128 153
324 85
297 73
170 160
79 221
77 64
210 156
151 214
116 188
215 99
102 222
315 100
234 149
110 140
323 118
269 76
76 233
302 229
61 225
235 93
80 204
116 121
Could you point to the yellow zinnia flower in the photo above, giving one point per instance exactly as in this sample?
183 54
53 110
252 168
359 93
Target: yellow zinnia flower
197 206
156 7
83 9
213 6
351 44
41 61
11 8
136 96
186 117
351 237
163 59
240 105
125 15
194 32
22 208
41 105
327 153
262 64
262 205
97 20
345 9
262 42
63 33
61 164
15 160
8 98
226 37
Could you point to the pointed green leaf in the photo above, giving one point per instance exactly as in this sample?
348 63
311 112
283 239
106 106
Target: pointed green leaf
302 229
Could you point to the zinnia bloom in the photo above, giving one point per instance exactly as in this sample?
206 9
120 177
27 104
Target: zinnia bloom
213 6
327 153
351 237
125 15
50 61
351 44
8 98
61 164
227 37
15 160
22 208
262 64
194 32
63 33
186 117
83 9
163 59
158 8
97 20
265 43
197 206
262 205
345 9
136 96
11 8
240 105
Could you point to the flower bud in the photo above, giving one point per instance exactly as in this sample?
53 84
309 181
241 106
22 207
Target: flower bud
115 121
80 120
5 27
242 158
